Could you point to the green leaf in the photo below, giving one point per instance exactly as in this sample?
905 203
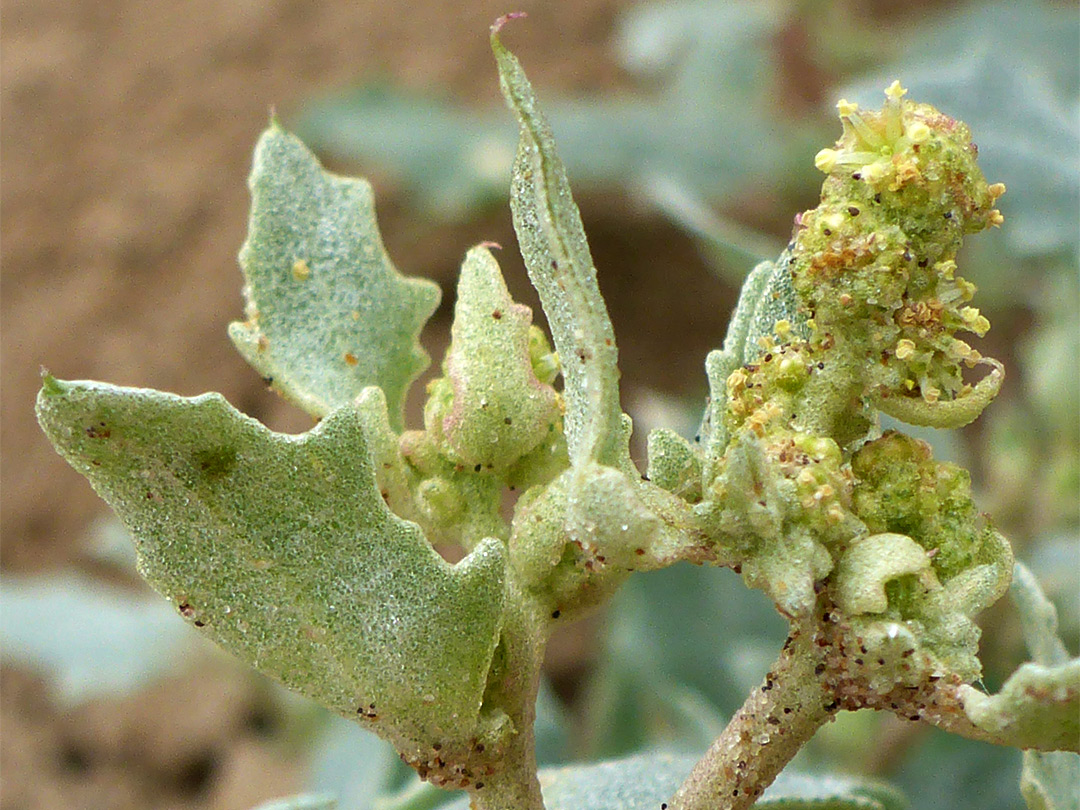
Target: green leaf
365 773
1038 618
327 312
89 638
1049 780
556 254
281 549
797 791
767 296
674 464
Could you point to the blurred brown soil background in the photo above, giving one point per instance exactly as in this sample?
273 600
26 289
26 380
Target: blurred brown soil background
126 140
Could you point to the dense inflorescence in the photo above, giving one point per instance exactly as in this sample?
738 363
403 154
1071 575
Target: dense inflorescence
860 313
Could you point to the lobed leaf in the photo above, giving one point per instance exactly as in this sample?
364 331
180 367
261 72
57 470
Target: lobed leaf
281 549
327 312
556 253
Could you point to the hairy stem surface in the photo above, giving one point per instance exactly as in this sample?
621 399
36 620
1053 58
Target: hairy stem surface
778 718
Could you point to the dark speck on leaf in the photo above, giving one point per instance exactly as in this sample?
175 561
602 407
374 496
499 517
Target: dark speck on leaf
216 461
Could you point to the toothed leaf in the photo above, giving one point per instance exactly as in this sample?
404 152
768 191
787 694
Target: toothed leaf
327 312
281 549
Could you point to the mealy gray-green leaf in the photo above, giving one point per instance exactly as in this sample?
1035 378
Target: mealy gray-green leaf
327 312
644 781
499 411
1038 618
1051 781
365 773
281 549
556 254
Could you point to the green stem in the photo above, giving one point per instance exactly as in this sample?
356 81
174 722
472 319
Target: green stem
778 718
514 785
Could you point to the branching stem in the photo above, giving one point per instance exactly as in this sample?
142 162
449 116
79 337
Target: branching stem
778 718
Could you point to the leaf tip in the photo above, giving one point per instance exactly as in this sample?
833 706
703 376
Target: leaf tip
497 26
50 386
